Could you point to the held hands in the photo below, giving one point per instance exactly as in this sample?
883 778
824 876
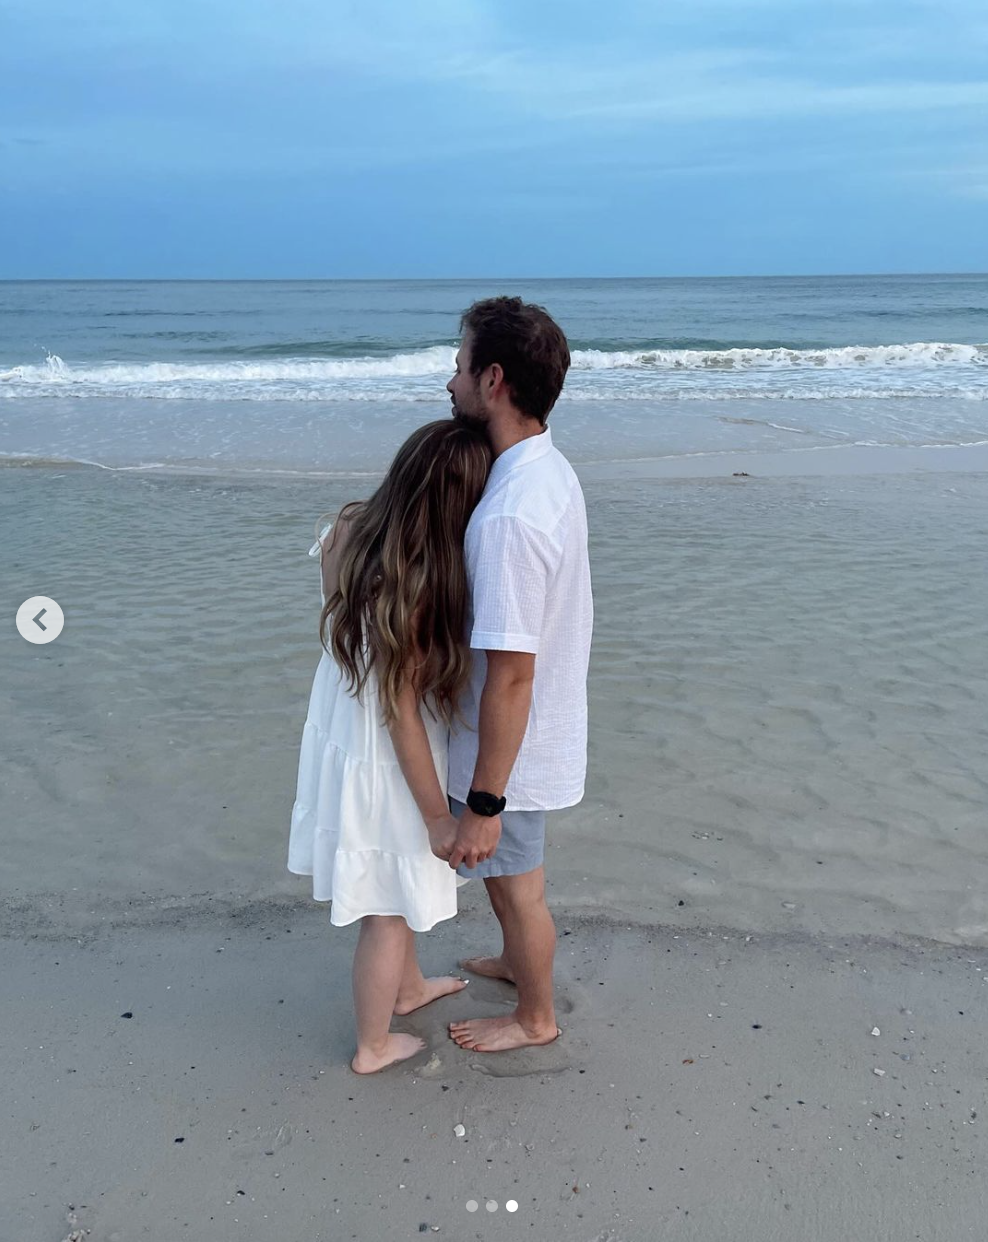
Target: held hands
476 839
442 834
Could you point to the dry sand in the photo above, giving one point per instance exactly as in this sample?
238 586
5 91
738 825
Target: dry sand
707 1086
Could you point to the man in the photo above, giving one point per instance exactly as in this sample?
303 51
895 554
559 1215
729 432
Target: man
523 748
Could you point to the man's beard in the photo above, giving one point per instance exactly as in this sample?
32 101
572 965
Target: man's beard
475 421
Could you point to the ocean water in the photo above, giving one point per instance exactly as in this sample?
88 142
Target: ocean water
317 377
788 700
789 677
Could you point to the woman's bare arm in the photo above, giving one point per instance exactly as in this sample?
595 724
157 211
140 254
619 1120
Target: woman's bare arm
411 743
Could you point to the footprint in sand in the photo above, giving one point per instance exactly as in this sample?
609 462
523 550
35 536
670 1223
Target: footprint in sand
570 998
264 1142
567 1051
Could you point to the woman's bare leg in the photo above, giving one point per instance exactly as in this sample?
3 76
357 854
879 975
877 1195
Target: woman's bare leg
378 967
415 990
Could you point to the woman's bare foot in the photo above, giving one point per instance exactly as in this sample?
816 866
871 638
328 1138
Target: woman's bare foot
397 1048
434 988
492 967
499 1034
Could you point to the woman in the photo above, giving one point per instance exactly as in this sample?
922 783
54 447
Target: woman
371 822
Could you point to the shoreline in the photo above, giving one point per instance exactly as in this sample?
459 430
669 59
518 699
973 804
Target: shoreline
36 920
819 461
837 461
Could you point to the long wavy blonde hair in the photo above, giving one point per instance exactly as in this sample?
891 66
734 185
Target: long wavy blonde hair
402 590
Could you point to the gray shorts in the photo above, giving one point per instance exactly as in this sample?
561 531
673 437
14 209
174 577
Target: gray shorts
521 846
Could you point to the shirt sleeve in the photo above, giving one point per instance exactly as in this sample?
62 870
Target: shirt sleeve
512 563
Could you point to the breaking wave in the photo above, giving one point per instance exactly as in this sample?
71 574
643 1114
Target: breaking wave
845 372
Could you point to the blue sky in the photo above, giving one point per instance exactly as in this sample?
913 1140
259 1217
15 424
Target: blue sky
371 138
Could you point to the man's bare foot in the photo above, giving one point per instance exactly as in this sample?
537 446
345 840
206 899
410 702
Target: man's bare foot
492 967
434 988
398 1048
499 1034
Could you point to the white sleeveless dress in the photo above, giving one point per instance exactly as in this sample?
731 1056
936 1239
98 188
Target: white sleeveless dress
355 827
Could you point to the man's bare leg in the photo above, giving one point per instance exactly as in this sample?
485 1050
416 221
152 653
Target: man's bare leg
529 947
491 967
494 967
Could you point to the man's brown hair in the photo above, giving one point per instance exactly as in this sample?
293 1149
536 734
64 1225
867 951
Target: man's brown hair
527 344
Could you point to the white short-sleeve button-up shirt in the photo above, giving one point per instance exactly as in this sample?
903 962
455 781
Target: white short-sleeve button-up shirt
529 575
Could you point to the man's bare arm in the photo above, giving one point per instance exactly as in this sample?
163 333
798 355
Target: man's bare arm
504 709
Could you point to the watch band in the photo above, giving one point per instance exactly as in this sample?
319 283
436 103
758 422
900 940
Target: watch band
486 804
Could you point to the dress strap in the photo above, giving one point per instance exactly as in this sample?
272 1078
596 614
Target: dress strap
316 548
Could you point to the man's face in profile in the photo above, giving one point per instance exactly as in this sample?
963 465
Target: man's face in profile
464 389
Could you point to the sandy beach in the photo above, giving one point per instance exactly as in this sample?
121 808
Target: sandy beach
781 850
188 1079
732 257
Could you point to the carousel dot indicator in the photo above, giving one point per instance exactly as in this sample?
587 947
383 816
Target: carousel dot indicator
511 1206
472 1205
491 1205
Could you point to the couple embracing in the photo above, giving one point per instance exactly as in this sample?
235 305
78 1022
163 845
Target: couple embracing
449 711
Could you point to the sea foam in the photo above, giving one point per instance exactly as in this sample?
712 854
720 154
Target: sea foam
845 373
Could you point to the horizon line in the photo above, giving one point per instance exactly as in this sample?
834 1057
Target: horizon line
286 280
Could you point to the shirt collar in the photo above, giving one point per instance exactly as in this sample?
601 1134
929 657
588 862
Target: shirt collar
520 454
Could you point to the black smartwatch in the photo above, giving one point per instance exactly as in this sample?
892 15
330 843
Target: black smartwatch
485 803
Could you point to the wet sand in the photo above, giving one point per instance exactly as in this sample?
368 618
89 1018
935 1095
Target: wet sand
788 685
782 847
707 1085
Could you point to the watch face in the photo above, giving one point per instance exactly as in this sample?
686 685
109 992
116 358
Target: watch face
484 803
